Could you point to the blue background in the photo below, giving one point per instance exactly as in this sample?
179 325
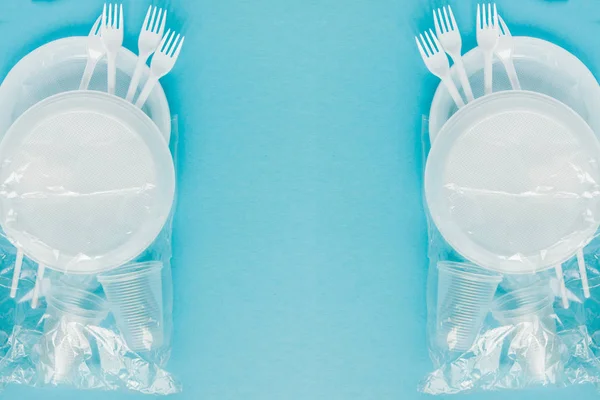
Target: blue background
300 240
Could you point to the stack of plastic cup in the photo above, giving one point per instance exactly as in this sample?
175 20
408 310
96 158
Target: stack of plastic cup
134 292
530 310
69 311
465 294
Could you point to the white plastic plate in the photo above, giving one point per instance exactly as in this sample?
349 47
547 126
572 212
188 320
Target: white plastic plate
86 182
57 67
542 67
512 182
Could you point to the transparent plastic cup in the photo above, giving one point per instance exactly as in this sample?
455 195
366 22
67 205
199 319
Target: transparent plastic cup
465 294
534 340
70 310
525 305
134 292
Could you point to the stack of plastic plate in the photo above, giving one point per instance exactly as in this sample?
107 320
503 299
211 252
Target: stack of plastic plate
542 67
513 182
513 179
87 179
57 67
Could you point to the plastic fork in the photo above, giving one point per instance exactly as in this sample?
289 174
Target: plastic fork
17 274
448 34
95 52
504 51
437 63
162 63
561 283
487 39
583 274
150 37
112 37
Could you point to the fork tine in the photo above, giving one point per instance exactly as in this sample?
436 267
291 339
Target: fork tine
174 46
109 16
436 41
489 15
423 55
104 21
150 26
478 23
178 50
161 30
483 16
163 41
425 47
433 48
449 26
438 29
96 27
495 17
146 19
452 17
115 16
421 49
168 45
157 25
121 24
442 23
505 30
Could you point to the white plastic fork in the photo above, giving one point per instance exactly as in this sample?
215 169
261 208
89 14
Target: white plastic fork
37 288
162 63
504 51
560 277
437 63
448 34
112 37
95 52
487 39
150 37
583 274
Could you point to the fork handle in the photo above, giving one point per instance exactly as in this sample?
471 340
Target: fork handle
464 79
87 73
563 289
487 72
509 66
583 274
112 72
37 289
150 83
137 74
16 273
447 80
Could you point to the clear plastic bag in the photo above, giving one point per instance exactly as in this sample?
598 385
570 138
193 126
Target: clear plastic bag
86 214
69 339
492 330
513 210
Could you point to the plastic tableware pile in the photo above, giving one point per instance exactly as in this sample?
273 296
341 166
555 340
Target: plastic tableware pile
512 185
87 183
